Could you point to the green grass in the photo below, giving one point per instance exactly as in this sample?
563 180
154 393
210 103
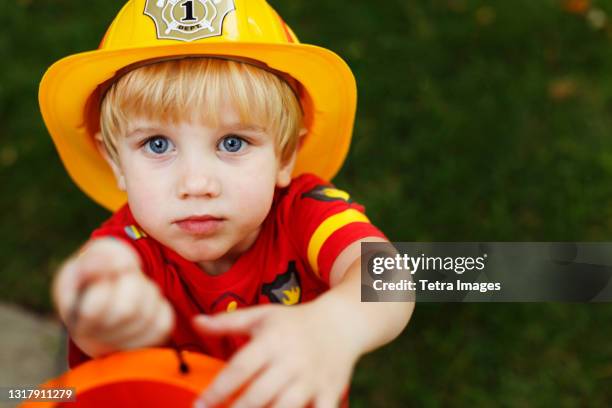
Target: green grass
477 121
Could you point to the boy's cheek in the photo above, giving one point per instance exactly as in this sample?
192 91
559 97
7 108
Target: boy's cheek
143 200
148 209
145 183
254 198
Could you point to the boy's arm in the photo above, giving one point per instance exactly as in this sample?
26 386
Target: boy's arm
306 353
373 323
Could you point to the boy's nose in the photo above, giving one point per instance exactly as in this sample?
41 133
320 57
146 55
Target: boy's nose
198 183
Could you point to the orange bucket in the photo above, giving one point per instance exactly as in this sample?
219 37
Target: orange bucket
141 378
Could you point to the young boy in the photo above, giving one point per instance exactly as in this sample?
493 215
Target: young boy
211 131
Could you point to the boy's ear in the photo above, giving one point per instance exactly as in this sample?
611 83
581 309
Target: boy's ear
283 176
301 137
113 165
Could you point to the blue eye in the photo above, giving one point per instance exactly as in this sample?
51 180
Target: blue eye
158 145
232 144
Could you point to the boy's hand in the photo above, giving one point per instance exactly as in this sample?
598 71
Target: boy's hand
107 303
296 356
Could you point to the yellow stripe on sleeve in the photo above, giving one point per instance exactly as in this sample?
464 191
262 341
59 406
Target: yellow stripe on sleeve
328 227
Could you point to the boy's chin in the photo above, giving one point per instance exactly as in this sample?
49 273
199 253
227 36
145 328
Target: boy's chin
201 253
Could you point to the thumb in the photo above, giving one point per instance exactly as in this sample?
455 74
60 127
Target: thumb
238 322
106 258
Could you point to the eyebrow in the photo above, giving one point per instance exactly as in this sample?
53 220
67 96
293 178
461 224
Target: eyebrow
143 130
237 126
243 126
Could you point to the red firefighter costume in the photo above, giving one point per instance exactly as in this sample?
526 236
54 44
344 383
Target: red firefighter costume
308 226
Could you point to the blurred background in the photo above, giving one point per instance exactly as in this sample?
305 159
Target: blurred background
477 121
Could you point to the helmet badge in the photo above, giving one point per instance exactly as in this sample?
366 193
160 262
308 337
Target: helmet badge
188 20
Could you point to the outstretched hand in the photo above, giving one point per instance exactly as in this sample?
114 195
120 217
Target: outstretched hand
296 356
107 303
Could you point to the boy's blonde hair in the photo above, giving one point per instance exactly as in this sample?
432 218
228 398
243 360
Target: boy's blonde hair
194 89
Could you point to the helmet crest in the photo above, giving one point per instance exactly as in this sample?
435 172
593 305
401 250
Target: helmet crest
188 20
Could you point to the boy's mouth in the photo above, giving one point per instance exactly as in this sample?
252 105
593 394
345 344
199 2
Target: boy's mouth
200 224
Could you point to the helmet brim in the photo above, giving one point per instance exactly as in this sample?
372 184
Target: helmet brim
329 102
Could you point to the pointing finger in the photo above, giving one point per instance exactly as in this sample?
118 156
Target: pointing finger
239 322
